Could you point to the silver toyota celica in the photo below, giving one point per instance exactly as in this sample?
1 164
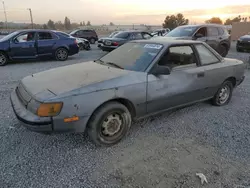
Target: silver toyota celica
138 79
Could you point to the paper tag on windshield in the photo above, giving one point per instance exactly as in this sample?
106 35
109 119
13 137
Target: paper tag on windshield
154 46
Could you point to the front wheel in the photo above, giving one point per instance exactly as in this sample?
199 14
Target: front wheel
224 94
61 54
92 41
109 124
3 59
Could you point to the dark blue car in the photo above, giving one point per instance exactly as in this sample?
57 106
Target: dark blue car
32 44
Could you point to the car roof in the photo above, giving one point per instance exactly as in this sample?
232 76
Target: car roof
132 31
203 25
36 30
165 41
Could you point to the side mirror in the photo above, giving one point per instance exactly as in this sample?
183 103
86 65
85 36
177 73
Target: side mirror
161 70
198 35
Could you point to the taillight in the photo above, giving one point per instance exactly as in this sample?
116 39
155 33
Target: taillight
115 43
75 41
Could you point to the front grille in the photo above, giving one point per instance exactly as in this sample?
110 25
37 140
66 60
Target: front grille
23 95
244 43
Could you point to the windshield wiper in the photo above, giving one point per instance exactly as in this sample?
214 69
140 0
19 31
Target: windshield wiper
114 65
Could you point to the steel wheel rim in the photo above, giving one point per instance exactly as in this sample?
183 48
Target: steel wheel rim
2 59
224 94
61 54
112 126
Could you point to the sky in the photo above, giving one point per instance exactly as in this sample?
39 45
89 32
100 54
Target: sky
121 11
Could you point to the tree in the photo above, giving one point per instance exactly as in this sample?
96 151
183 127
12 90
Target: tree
230 21
51 24
174 21
111 24
215 20
83 23
67 24
59 25
88 23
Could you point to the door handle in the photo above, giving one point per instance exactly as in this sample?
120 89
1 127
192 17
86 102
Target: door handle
200 74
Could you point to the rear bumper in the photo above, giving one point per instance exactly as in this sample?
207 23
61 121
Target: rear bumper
73 50
28 119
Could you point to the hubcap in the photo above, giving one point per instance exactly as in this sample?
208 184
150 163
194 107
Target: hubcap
224 94
2 59
61 54
111 125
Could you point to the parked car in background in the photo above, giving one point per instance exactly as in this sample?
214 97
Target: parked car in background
214 35
160 32
122 37
88 34
100 41
82 43
243 43
32 44
138 79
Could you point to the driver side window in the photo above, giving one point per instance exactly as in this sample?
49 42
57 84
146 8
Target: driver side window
178 56
25 37
202 31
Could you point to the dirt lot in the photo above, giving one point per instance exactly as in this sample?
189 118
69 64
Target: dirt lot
165 151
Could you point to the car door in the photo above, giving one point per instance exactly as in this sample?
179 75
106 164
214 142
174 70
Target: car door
212 37
182 86
23 46
45 43
215 72
203 33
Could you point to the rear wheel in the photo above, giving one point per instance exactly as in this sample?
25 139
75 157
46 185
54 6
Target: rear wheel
224 94
92 41
3 59
61 54
223 50
109 124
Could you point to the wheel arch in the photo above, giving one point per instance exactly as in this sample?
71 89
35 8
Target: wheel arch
232 79
129 105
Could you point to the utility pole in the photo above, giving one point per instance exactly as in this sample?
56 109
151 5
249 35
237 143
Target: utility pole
6 22
31 18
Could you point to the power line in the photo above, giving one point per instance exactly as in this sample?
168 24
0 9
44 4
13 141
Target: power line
6 22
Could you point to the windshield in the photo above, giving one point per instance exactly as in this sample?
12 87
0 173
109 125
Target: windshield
63 34
122 35
113 34
9 36
181 32
73 32
133 56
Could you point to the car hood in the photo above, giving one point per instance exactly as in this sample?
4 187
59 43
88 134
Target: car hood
245 37
57 81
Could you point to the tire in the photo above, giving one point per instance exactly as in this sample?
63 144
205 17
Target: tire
87 47
61 54
238 50
3 59
109 124
223 50
222 96
81 46
92 41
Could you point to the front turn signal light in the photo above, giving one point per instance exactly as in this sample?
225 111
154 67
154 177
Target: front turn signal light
49 109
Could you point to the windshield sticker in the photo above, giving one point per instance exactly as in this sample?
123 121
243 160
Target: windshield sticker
154 46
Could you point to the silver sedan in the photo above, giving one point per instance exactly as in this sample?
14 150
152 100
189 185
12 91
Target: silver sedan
138 79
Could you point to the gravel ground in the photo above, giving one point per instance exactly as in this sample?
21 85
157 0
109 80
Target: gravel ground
161 152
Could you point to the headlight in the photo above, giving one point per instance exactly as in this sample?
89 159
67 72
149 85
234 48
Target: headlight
49 109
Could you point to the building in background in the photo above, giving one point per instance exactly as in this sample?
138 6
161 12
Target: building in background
239 29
